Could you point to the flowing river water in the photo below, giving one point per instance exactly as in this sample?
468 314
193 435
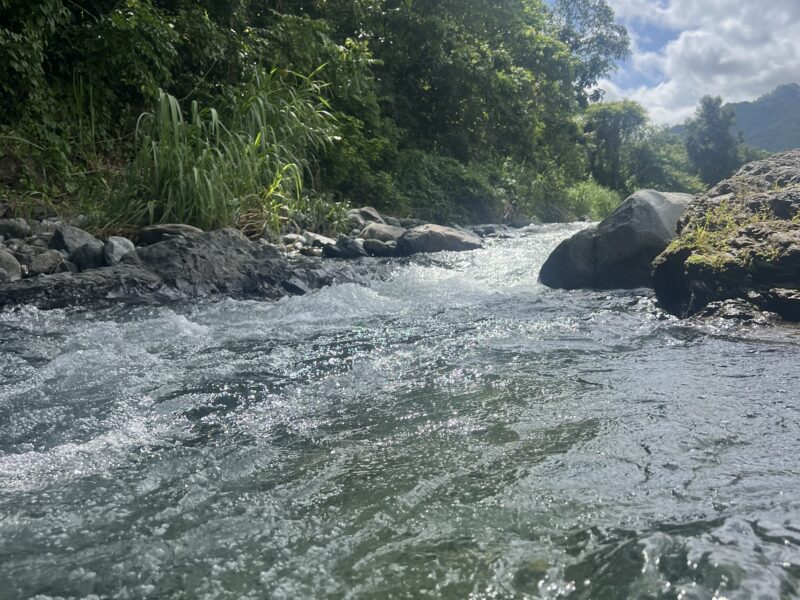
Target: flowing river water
450 430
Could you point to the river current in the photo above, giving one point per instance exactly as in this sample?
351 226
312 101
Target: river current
449 430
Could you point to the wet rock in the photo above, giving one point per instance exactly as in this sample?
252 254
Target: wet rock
379 248
345 248
383 233
618 252
14 228
214 263
4 278
90 255
115 248
69 238
491 230
10 265
436 238
153 234
741 240
47 263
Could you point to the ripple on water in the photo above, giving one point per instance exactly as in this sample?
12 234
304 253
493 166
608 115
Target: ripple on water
450 430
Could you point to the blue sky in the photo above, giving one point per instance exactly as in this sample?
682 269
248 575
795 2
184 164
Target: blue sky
685 49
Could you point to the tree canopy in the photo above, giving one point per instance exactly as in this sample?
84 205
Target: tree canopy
449 109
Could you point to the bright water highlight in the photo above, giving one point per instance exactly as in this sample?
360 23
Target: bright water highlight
452 430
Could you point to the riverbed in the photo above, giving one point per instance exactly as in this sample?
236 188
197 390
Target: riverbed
451 429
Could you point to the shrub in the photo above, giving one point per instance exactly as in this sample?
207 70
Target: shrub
592 200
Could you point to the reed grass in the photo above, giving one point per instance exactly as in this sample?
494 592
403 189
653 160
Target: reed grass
249 173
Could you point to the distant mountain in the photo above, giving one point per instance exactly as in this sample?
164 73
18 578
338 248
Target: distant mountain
773 121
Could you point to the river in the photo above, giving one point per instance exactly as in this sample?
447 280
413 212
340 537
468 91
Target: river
450 430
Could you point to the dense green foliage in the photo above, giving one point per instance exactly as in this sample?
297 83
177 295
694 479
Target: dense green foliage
274 114
710 145
626 152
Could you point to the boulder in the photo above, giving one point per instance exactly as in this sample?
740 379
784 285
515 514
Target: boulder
383 233
47 263
436 238
214 263
379 248
69 238
740 240
115 248
14 228
345 248
152 234
393 222
618 252
359 217
10 265
89 256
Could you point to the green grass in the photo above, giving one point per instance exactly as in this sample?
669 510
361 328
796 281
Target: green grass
247 172
592 200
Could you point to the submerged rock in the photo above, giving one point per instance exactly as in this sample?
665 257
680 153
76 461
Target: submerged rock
436 238
741 240
618 252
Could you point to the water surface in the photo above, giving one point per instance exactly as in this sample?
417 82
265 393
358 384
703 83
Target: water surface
452 430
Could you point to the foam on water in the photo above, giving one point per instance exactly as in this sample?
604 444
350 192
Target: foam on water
448 430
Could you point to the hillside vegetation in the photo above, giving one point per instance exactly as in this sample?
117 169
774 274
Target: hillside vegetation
773 121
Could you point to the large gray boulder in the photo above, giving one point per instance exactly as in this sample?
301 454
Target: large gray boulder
618 252
740 241
69 238
436 238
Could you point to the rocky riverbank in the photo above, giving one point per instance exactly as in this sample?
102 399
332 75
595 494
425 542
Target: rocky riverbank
50 264
740 241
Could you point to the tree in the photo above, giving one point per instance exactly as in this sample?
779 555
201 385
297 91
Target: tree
588 29
609 127
709 143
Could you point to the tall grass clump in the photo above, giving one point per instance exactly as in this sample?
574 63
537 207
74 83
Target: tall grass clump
592 200
246 171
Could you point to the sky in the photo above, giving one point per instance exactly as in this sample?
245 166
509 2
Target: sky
685 49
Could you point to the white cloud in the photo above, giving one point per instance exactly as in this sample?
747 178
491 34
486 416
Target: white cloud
737 49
